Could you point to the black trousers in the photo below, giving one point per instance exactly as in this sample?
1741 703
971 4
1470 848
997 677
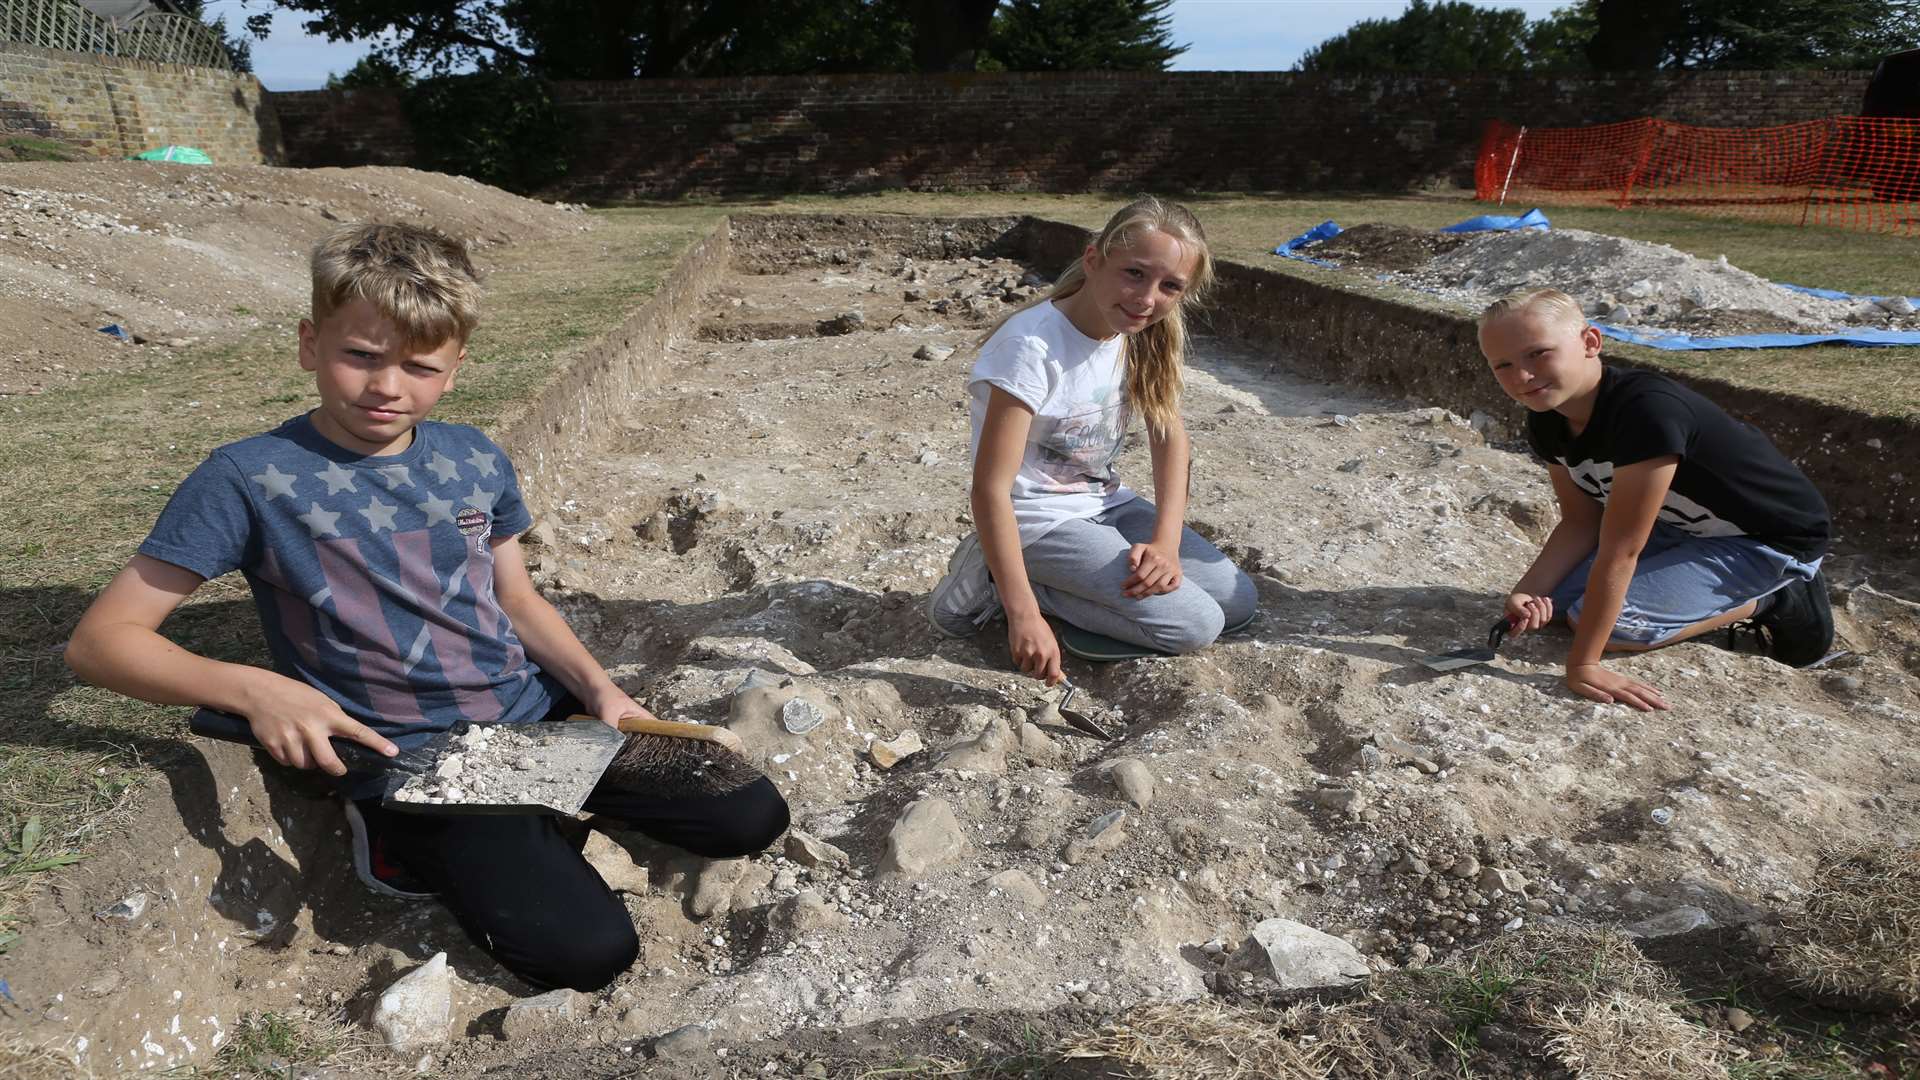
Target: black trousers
523 892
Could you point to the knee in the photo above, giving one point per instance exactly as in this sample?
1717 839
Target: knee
755 818
1242 601
590 955
1190 634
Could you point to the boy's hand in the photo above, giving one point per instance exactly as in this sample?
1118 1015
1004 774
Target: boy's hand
1035 650
1155 571
1527 612
293 722
1596 682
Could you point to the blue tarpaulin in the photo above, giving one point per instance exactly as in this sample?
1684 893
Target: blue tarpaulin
1534 219
1326 230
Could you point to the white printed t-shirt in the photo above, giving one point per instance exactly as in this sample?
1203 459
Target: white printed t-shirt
1076 387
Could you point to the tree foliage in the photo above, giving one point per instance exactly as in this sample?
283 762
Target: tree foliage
1083 35
623 39
238 47
1626 35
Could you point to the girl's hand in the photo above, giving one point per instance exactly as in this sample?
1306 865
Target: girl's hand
1526 612
1156 570
292 722
1599 684
1035 650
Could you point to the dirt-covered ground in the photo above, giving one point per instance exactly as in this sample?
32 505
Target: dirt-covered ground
765 530
182 256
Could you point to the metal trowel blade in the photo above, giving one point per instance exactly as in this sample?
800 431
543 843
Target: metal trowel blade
1465 658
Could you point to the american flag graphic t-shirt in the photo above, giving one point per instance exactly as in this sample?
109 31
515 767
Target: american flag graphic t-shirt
373 576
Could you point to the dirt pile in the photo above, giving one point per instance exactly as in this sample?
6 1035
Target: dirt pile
1632 284
184 256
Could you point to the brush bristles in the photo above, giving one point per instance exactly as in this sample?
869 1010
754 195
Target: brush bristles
670 767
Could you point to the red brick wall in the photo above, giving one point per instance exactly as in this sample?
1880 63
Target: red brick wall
1174 131
116 107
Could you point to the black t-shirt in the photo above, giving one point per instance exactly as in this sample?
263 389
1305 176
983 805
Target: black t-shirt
1731 480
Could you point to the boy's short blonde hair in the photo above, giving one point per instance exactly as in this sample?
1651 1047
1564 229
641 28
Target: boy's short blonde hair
420 278
1552 303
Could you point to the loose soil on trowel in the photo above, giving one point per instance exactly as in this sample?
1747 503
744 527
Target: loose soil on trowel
784 501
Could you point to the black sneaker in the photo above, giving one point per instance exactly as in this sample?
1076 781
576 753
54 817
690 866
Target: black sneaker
1799 622
376 869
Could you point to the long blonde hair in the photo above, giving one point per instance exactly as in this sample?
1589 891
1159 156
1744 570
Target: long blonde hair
1154 355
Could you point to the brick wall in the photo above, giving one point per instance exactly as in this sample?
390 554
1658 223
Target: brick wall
1096 130
116 107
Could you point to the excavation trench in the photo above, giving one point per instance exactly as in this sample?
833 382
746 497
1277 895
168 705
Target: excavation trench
763 526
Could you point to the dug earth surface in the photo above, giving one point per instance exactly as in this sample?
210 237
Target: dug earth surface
765 530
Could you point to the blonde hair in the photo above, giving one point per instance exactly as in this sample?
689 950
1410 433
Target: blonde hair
1154 355
418 277
1552 303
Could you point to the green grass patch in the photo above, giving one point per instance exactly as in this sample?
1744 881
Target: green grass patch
269 1045
29 148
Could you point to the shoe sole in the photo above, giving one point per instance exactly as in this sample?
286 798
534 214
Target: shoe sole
933 599
362 867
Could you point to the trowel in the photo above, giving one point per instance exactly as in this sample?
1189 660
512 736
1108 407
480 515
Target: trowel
1465 658
1078 718
552 775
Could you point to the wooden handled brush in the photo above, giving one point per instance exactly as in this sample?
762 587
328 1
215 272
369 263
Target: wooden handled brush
668 758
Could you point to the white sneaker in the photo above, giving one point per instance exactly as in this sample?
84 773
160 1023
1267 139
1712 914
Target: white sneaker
965 600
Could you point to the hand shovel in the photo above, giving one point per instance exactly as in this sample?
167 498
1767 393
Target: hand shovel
1078 717
1464 658
552 774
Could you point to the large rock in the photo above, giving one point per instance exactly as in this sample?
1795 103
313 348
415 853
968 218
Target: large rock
1680 920
417 1009
713 887
531 1015
806 913
1134 781
890 752
809 850
1039 746
615 865
1297 956
1017 886
747 650
986 753
1100 836
926 836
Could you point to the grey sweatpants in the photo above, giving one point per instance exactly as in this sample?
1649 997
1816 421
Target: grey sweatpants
1077 570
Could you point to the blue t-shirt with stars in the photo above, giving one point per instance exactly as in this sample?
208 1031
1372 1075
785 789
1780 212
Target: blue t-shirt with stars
373 575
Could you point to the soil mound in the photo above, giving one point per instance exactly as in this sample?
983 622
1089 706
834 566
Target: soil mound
1627 283
184 256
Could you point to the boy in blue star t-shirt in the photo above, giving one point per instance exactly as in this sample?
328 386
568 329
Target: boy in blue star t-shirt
381 549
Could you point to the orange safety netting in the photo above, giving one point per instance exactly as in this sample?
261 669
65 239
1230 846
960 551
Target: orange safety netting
1848 172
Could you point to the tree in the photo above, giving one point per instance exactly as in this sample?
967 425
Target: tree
1084 35
1447 36
238 48
624 39
1750 34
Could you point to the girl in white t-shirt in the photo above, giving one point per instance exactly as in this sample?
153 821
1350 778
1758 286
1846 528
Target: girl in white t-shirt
1054 389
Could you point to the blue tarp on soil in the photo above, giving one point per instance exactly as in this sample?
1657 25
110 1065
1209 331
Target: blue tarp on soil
1534 219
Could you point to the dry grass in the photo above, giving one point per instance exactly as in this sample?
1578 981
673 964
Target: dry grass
1203 1038
23 1060
1857 936
1628 1037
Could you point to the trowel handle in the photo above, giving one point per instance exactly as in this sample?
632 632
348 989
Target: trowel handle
1498 634
228 727
646 725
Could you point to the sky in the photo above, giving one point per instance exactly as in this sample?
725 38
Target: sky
1222 35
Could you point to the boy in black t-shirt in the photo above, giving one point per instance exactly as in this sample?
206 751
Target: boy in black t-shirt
1675 518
